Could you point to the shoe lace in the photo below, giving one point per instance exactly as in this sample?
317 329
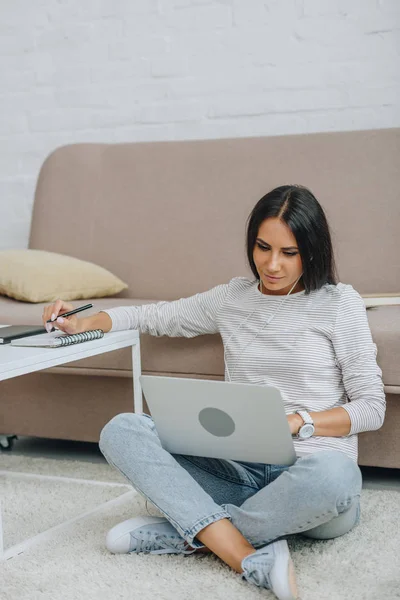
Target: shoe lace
154 541
256 569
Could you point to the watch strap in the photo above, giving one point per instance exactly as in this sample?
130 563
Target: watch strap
305 416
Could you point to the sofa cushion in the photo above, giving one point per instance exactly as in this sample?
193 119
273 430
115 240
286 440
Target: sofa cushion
157 207
384 322
39 276
202 355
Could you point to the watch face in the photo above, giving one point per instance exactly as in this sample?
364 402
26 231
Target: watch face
307 430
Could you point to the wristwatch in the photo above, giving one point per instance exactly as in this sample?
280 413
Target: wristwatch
307 429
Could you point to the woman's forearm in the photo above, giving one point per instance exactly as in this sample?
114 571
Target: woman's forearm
328 423
100 320
331 423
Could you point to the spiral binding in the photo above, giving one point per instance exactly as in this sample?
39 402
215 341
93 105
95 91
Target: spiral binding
77 338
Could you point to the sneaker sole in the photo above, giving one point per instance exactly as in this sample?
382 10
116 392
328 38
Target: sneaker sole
282 574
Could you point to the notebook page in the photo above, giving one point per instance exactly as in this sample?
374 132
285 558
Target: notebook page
44 339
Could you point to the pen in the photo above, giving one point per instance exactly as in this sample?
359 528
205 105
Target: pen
71 312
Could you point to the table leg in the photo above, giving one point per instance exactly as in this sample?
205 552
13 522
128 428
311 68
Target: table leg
137 371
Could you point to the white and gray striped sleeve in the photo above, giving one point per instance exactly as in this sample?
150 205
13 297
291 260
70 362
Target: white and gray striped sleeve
187 317
356 355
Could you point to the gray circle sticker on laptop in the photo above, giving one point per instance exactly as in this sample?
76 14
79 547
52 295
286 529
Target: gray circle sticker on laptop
217 422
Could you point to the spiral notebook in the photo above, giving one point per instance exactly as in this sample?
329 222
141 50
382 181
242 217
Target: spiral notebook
56 340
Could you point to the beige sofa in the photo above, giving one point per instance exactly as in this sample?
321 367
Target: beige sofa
169 219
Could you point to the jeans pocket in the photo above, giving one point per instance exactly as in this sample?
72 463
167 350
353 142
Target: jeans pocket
275 471
228 470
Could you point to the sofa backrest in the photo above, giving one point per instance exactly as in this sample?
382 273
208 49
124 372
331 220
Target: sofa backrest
169 218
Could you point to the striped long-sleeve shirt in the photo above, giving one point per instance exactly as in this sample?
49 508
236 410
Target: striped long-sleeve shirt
318 349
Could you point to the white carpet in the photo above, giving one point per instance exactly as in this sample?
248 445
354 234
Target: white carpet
74 564
30 507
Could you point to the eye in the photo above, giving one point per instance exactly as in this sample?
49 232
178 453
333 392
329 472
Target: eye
264 248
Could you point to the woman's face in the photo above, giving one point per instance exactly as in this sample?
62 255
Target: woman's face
276 253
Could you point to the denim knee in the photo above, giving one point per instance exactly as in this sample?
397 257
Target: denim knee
112 430
338 526
336 474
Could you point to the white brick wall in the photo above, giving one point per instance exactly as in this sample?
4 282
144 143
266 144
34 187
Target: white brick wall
131 70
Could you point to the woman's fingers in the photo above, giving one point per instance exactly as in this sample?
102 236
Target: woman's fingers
61 307
51 312
67 325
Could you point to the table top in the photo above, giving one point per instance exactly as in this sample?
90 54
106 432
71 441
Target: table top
20 360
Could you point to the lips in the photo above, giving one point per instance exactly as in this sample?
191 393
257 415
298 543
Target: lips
271 277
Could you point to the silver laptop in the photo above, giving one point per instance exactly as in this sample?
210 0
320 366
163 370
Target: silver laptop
219 419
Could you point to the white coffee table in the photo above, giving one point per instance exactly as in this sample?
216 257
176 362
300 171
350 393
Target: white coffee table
19 360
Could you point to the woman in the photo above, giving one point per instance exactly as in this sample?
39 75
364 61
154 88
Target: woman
293 326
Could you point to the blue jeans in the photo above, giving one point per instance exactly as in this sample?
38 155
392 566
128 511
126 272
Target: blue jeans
318 496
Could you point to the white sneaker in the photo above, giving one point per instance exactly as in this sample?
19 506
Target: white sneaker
271 567
154 535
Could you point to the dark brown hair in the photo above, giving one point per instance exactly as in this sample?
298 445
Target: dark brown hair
297 206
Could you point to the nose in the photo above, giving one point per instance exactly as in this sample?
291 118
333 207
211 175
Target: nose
273 264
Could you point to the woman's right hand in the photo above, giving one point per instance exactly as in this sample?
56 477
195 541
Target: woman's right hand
68 325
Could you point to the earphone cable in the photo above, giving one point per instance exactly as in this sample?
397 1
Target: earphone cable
259 331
